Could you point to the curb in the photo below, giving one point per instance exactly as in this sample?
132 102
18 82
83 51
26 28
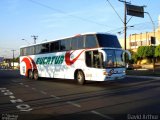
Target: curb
151 77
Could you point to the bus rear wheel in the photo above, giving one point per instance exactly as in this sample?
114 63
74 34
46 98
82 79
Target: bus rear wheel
80 77
35 75
30 74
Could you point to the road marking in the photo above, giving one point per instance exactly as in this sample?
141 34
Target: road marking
21 107
102 115
43 92
26 85
12 97
21 83
55 97
16 101
33 88
74 104
15 81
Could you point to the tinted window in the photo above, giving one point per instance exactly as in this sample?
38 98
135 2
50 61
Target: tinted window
74 44
110 58
52 46
89 58
38 49
63 45
45 48
57 45
31 51
25 51
119 58
80 41
90 41
108 41
68 44
22 51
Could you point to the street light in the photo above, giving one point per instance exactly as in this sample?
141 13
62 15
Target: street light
120 32
26 41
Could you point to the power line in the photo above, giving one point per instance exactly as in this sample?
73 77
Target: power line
115 11
116 29
63 12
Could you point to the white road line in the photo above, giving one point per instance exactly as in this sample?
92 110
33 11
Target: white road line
12 97
14 81
55 97
102 115
21 83
33 88
43 92
26 85
74 104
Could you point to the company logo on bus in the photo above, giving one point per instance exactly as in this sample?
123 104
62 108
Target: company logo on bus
28 63
112 71
68 57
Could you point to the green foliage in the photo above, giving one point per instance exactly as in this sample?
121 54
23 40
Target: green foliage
145 52
134 57
157 51
140 52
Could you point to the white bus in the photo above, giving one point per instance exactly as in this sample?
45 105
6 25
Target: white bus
92 56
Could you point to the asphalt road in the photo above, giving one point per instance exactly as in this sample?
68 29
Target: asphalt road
55 99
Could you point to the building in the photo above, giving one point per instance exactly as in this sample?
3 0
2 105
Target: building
142 39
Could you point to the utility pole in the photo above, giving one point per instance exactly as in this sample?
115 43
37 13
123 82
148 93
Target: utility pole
125 22
13 57
153 36
35 38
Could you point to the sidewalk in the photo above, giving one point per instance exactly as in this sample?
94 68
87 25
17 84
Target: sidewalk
150 77
144 73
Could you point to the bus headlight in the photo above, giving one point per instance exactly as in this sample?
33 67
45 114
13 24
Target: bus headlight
105 73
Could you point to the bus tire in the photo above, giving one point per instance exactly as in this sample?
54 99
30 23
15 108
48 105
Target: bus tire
35 74
80 77
30 74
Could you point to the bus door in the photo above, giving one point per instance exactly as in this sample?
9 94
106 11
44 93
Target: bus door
94 62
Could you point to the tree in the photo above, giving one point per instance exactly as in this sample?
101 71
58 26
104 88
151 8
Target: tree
145 52
157 51
134 57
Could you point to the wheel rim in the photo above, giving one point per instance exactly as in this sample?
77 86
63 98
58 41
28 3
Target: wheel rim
79 77
30 74
35 75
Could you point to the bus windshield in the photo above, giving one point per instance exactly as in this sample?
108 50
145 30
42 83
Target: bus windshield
114 58
106 40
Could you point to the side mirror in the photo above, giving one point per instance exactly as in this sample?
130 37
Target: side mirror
128 53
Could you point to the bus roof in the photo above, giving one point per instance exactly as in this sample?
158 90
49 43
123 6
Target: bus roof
82 34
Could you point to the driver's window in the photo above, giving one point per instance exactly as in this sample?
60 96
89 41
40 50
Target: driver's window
110 58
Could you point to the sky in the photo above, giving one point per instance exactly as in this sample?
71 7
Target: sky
53 19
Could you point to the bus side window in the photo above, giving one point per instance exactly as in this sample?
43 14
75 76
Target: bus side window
91 41
57 46
63 45
88 59
52 46
80 41
38 49
74 44
68 44
94 59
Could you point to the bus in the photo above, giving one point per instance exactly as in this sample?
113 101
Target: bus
84 57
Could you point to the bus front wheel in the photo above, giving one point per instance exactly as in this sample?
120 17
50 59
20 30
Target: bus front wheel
35 75
80 77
